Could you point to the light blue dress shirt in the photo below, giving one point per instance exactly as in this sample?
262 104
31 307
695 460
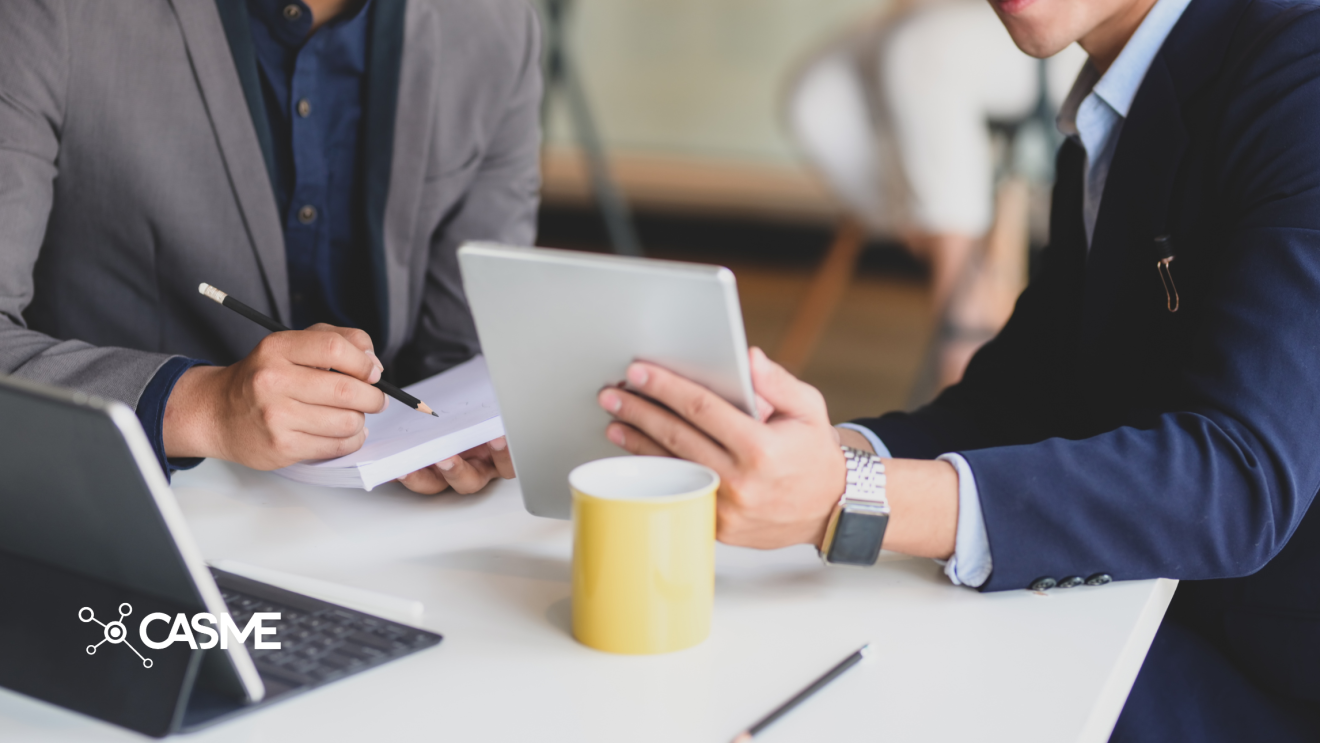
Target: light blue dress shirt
1092 115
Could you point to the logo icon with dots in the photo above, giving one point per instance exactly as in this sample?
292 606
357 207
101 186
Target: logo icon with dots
115 632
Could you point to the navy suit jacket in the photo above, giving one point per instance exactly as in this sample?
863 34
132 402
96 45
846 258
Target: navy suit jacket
1109 435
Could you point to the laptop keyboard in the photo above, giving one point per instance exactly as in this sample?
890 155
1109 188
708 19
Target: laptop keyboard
319 641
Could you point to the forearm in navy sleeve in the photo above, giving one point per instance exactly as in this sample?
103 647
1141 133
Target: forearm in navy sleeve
151 411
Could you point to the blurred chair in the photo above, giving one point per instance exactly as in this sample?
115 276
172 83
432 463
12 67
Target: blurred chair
831 114
840 111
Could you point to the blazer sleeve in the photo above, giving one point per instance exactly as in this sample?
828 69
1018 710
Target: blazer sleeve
33 75
1216 489
500 205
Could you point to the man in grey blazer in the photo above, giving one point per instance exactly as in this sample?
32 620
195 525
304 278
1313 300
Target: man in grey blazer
322 160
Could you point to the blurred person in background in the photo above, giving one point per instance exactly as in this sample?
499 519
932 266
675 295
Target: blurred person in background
934 74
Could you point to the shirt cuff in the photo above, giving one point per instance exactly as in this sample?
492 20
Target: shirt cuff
970 564
879 446
151 411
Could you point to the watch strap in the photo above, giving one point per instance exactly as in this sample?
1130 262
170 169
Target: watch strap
857 525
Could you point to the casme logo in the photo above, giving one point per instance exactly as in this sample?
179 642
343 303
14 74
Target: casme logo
182 630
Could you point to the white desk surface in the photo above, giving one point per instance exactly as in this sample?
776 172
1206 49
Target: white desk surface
951 664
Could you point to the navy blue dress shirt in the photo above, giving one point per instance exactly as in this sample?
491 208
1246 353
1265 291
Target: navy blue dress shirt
314 88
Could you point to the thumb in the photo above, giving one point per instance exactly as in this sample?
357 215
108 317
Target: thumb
789 395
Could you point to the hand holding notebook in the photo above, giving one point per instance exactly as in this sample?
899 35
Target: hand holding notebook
399 441
403 447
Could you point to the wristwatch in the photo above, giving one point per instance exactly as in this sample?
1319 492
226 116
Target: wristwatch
857 525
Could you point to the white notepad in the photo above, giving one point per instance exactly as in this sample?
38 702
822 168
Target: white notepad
402 440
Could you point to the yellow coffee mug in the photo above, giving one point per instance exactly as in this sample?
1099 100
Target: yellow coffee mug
643 553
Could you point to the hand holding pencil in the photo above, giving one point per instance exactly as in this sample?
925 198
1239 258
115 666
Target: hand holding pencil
360 338
280 404
284 404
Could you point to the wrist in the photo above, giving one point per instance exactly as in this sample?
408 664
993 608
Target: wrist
851 438
923 500
190 426
821 523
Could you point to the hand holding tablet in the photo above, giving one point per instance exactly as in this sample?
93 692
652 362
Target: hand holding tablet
557 326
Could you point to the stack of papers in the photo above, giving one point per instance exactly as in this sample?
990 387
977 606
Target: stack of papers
402 440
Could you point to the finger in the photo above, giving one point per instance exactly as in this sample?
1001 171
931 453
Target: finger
664 428
466 475
324 349
764 410
330 390
314 420
426 481
694 403
359 338
786 393
499 449
296 446
631 440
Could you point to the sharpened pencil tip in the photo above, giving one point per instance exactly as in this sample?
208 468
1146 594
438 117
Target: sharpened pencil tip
423 407
435 414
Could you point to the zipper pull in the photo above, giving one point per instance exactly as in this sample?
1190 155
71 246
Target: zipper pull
1164 256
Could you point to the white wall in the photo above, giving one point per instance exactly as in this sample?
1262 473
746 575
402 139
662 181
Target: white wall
696 78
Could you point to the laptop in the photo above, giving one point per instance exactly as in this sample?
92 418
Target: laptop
105 599
556 326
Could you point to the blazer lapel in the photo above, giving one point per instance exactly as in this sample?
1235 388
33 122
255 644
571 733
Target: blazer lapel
1149 159
414 123
1136 203
238 31
214 68
385 58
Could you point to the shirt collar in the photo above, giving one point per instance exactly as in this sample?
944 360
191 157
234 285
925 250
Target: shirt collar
290 21
1120 83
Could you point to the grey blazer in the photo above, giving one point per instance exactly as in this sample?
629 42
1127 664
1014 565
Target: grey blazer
130 171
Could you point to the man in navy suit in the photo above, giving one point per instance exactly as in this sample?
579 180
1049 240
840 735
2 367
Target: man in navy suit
1153 406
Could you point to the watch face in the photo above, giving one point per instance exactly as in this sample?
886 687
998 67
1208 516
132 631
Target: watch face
857 538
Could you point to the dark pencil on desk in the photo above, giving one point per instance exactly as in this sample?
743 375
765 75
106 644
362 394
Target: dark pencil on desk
275 327
803 695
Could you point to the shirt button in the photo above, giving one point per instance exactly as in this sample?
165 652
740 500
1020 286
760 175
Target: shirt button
307 214
1071 581
304 108
292 12
1099 579
1043 584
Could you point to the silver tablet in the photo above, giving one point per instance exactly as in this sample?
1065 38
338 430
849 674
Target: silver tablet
556 326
